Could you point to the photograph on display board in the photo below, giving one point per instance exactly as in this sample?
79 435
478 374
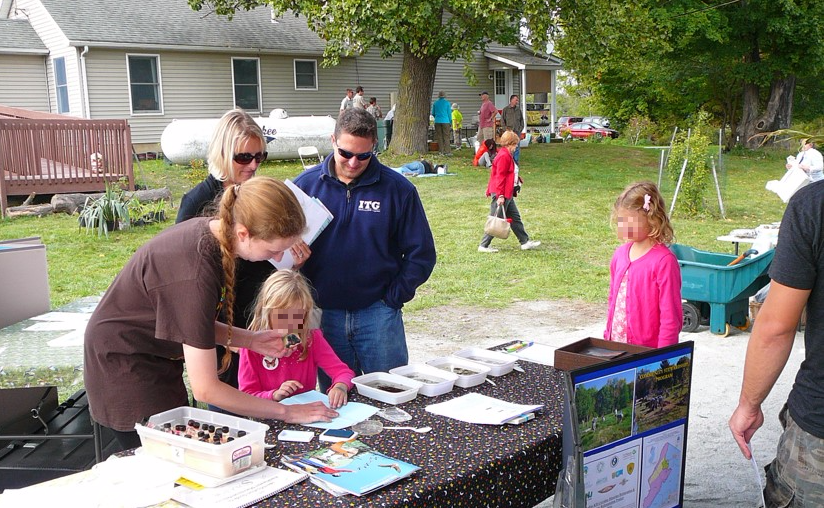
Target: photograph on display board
662 392
605 409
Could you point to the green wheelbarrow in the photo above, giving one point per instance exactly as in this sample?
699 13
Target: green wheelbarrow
716 287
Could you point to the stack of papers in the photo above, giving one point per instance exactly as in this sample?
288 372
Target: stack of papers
349 467
477 408
317 218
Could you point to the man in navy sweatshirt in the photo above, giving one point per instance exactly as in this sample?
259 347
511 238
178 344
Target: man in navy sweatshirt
374 254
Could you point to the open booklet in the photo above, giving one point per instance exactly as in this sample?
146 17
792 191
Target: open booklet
349 467
317 218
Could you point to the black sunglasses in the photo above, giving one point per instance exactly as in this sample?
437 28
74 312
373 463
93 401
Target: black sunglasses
247 158
346 154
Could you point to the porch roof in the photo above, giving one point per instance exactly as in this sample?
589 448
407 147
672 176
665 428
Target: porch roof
17 37
523 57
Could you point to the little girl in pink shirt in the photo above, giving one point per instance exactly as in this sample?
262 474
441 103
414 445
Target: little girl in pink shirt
645 279
284 304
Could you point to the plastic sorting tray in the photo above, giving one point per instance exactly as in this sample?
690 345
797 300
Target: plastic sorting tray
216 460
469 373
370 385
434 381
498 363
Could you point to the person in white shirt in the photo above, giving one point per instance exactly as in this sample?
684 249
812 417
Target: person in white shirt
358 101
346 103
810 160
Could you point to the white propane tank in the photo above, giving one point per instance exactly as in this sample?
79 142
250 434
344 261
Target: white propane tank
185 140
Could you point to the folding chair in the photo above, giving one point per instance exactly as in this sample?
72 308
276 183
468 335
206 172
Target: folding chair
308 154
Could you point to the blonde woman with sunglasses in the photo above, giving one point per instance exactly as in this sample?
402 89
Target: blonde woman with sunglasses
236 150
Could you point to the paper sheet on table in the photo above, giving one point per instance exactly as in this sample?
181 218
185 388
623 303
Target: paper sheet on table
477 408
348 415
537 353
317 218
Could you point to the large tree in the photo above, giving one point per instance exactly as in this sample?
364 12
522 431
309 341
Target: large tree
739 60
423 31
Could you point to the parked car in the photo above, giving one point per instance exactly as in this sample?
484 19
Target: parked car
601 120
585 130
566 121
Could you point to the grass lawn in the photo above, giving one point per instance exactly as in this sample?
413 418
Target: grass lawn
565 203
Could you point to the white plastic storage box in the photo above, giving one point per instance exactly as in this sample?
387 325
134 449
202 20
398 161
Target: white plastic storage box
385 387
498 363
216 460
434 381
469 373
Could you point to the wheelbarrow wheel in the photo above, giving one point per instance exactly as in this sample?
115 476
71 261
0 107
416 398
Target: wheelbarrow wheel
691 317
745 326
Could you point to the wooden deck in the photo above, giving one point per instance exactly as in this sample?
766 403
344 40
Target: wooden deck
48 155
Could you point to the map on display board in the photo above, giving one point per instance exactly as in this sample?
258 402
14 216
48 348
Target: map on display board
630 418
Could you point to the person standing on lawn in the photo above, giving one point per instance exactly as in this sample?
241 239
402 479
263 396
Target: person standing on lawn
442 111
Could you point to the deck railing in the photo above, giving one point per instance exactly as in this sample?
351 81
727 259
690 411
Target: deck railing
48 156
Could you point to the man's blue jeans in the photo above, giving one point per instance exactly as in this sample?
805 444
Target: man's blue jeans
367 340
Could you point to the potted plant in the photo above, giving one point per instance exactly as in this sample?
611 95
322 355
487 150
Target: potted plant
108 212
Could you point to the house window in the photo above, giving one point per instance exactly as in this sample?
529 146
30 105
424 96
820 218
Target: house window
246 81
500 83
144 83
61 85
306 75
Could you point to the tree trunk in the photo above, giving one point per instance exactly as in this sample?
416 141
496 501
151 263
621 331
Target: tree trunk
414 100
70 203
776 115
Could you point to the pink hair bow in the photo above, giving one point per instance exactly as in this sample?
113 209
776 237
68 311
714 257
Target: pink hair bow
647 198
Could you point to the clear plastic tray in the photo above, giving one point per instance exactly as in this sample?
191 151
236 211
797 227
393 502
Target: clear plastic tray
498 363
434 381
216 460
469 373
369 386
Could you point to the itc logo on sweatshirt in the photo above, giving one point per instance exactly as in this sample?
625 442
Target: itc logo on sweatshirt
369 206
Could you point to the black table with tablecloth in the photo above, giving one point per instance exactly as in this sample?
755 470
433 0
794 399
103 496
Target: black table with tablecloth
461 464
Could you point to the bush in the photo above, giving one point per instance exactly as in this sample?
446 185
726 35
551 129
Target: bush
694 147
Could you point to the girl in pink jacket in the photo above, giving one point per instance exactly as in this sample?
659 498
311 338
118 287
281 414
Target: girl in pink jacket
645 280
284 304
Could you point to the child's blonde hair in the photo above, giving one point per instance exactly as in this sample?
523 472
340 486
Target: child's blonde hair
285 290
645 198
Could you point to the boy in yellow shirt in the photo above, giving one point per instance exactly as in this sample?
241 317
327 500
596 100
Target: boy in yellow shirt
457 119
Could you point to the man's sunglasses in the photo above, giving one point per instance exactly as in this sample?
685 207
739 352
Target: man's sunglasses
247 158
346 154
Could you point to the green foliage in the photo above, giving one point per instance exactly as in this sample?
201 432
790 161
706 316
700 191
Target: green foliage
198 171
694 148
639 128
110 210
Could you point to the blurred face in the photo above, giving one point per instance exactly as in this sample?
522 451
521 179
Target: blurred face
632 225
350 93
244 172
287 320
514 101
347 149
806 145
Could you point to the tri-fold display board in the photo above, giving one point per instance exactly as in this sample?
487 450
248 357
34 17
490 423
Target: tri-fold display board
626 422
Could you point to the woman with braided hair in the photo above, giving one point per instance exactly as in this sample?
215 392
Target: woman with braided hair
161 310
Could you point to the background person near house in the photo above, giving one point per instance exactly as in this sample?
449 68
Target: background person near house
160 311
457 124
512 118
809 159
486 153
374 109
236 149
389 121
645 280
372 257
501 189
347 103
486 118
796 476
358 101
442 111
285 305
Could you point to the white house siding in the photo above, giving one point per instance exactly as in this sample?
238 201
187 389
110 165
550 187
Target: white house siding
23 82
199 85
54 39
